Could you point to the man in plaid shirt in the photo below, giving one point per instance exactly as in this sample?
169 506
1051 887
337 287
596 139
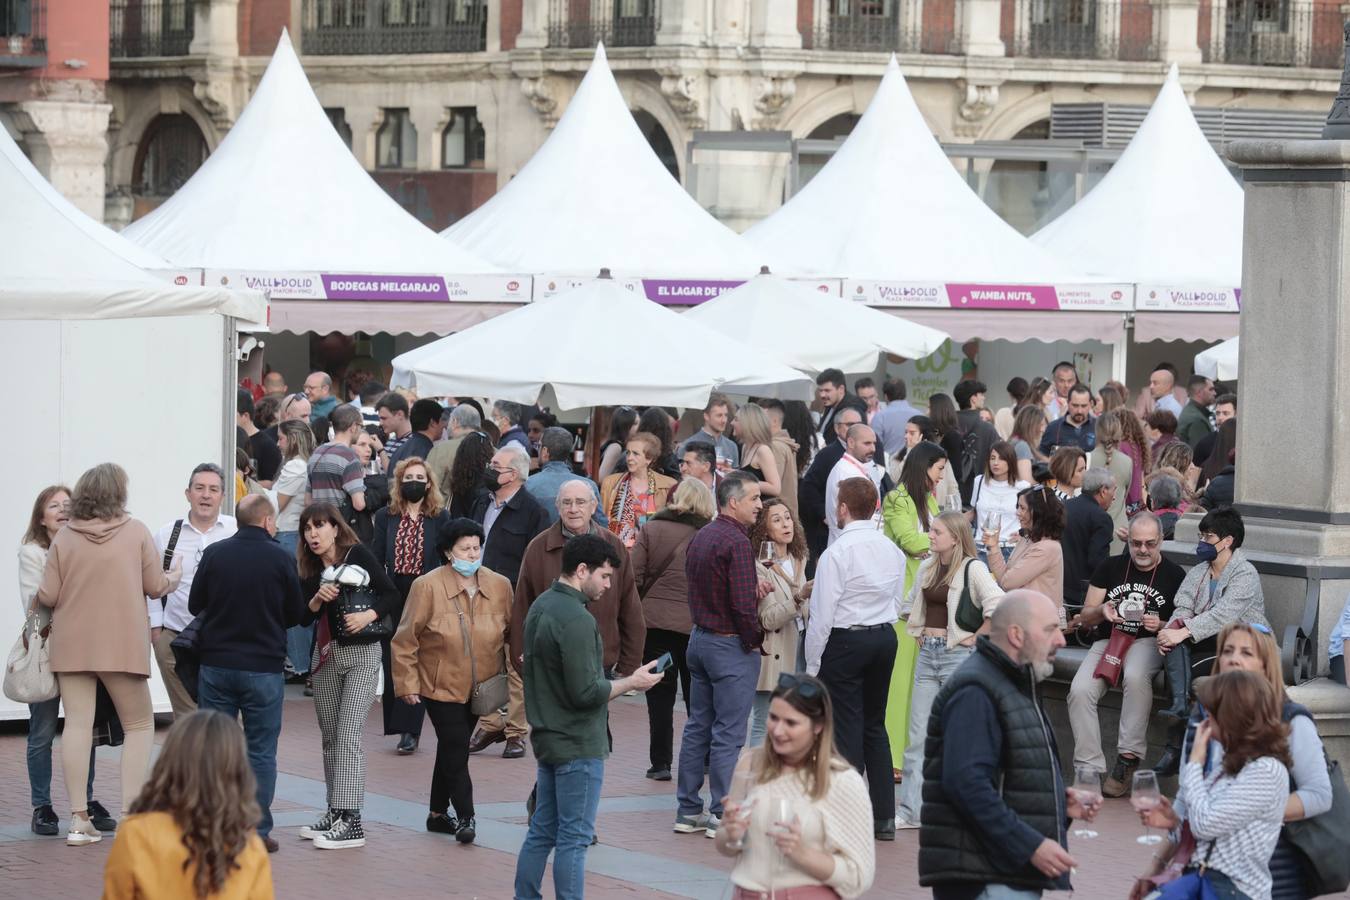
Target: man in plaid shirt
724 650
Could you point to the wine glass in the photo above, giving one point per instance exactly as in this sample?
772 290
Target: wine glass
1087 790
993 525
766 553
1145 796
741 784
954 503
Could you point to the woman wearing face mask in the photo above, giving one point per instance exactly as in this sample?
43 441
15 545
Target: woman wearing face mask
457 604
1252 648
406 532
802 829
782 612
950 570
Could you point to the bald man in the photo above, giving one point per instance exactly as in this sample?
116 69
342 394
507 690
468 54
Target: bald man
995 807
858 461
246 593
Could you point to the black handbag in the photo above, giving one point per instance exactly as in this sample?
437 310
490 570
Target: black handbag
355 600
187 657
1321 840
969 617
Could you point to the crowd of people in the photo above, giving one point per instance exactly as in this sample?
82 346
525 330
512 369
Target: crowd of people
866 596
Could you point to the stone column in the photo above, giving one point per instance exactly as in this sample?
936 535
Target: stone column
980 27
683 24
215 28
773 23
1178 29
67 140
533 25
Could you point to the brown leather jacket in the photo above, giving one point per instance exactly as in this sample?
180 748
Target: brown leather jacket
618 612
428 649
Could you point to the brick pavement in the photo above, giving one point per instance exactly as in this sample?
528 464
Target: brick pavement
638 855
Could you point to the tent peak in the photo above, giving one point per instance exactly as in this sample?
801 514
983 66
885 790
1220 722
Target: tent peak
285 39
600 58
1173 74
893 63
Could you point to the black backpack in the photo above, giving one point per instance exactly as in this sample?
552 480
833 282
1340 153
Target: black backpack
970 457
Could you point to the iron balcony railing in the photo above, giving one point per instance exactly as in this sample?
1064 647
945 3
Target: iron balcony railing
387 27
902 26
1274 33
141 28
23 34
1081 29
617 23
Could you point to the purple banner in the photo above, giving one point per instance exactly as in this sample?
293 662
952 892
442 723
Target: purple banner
674 292
384 287
995 296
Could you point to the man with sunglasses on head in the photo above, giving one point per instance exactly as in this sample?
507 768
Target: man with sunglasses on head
1129 598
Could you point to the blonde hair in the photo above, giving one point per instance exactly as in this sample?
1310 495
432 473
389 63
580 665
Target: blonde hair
821 759
957 525
1110 433
1266 648
692 496
101 493
432 504
756 429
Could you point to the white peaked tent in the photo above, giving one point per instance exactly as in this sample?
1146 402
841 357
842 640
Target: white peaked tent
88 335
595 195
812 330
1219 362
282 201
559 342
1167 216
889 205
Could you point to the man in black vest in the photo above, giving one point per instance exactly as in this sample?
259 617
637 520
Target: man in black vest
995 807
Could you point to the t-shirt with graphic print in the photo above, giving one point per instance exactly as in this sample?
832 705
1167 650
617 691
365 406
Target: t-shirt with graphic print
1137 593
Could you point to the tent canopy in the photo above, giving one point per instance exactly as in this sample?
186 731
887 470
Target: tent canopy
60 264
1168 212
1219 362
574 343
889 205
596 195
282 192
784 319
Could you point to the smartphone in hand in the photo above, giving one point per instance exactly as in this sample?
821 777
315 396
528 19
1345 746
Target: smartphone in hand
665 661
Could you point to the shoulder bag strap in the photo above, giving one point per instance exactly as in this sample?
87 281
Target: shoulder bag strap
172 545
468 646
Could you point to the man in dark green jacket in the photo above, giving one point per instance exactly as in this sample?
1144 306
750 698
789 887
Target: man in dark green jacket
1194 423
566 695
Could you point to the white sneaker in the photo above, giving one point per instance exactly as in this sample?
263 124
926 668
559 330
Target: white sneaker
82 832
711 825
903 824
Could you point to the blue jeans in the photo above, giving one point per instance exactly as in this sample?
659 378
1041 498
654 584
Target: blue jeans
933 667
722 679
257 696
567 799
300 638
42 719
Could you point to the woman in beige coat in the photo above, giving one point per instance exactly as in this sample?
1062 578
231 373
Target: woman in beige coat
99 571
431 664
782 611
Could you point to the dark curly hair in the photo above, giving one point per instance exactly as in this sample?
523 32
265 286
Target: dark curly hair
1047 513
760 532
466 473
202 779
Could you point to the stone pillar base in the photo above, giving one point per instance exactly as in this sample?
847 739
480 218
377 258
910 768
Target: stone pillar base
67 141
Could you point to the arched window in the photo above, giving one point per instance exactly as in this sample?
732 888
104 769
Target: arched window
170 152
463 142
660 141
808 164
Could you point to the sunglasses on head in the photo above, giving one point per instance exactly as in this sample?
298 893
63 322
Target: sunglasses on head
1264 629
789 682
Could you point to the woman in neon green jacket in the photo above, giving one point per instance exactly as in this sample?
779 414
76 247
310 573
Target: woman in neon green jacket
906 522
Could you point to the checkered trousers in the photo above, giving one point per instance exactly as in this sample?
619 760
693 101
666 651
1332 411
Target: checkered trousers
344 690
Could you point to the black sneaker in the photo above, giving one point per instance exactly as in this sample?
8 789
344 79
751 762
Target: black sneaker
326 821
98 814
407 744
659 773
345 834
442 823
468 830
45 821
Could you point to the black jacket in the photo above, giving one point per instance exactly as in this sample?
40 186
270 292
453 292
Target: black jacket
986 436
248 593
993 792
1086 543
519 521
386 529
1219 491
849 401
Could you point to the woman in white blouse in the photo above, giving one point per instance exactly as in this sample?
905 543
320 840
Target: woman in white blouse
994 497
1233 799
950 569
296 442
804 823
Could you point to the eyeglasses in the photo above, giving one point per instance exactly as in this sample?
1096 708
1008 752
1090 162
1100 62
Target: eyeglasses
789 682
1144 545
1209 537
573 503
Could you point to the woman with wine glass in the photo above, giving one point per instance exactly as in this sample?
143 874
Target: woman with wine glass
780 546
1232 800
1037 561
804 826
994 498
950 572
1251 647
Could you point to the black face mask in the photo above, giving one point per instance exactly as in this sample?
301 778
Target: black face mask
492 478
413 491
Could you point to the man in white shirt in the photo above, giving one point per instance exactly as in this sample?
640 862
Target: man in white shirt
860 445
203 526
851 641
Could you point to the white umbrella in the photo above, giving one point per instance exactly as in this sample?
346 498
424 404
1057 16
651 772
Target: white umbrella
1219 362
597 345
812 330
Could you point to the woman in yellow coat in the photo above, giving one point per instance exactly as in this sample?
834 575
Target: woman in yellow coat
906 513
